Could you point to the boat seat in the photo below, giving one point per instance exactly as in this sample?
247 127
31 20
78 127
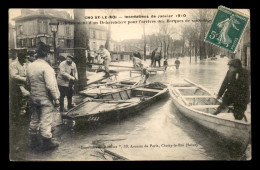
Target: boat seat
198 96
145 89
118 84
180 88
204 106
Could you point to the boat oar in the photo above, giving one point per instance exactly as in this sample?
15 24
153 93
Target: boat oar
110 101
245 118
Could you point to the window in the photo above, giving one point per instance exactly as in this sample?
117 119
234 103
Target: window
27 42
99 35
68 43
67 30
42 26
91 34
43 39
20 29
61 43
94 34
94 46
104 35
22 43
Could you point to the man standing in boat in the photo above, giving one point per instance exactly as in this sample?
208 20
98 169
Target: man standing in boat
66 79
235 88
105 54
137 60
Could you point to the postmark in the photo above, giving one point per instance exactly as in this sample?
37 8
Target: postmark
227 29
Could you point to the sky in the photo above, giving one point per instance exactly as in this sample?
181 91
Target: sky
131 30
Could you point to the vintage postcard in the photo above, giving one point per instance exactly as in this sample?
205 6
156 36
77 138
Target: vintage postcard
129 84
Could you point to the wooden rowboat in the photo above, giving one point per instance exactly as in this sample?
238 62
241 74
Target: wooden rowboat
94 90
198 104
116 105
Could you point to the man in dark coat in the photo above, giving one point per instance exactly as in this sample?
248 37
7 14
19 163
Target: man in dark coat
235 88
152 57
177 63
138 55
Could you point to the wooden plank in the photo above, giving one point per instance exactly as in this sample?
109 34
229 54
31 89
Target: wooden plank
198 96
180 88
150 90
179 95
112 101
203 88
126 85
204 106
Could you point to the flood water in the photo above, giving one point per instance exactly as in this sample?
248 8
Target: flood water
160 132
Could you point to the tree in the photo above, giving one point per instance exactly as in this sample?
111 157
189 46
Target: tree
144 12
191 35
203 16
108 12
164 36
80 44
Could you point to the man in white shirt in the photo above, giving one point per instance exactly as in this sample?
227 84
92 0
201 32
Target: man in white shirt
18 84
66 78
44 96
105 54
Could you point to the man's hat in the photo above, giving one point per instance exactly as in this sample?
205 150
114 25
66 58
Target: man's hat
21 55
21 52
12 51
235 62
43 50
71 57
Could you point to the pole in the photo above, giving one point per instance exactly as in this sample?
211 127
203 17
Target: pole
80 45
54 48
190 51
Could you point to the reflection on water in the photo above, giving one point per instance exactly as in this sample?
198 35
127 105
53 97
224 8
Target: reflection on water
160 132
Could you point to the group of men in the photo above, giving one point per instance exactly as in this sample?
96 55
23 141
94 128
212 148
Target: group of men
36 82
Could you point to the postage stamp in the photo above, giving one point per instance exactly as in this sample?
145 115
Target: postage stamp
227 28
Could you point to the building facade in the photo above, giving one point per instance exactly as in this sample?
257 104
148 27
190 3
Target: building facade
11 37
244 49
97 36
32 27
136 45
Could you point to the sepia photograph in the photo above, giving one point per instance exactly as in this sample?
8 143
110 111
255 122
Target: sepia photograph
132 84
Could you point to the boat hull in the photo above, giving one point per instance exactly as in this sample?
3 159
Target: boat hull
116 115
235 131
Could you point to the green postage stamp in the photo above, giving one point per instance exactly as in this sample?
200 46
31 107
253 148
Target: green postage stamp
227 29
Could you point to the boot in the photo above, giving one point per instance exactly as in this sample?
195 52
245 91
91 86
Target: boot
217 111
34 141
49 144
70 105
62 109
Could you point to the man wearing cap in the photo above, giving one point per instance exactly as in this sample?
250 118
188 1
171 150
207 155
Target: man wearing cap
235 89
66 78
12 55
104 53
157 56
44 96
18 84
152 57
